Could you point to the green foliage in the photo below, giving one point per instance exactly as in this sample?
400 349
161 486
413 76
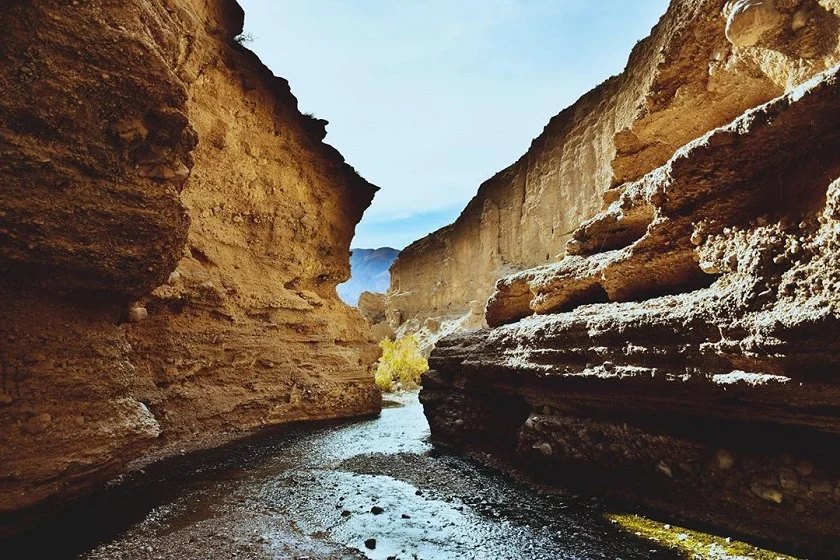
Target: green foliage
401 364
691 544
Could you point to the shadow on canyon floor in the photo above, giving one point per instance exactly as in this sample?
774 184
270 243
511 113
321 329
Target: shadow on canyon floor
324 491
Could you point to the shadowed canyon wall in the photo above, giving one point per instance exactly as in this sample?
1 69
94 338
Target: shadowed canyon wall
683 80
681 355
172 231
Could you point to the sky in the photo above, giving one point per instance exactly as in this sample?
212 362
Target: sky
429 98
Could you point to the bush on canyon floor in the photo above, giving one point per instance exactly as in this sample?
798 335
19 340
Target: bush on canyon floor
401 364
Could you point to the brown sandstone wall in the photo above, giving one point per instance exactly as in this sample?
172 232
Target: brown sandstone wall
685 79
172 230
682 355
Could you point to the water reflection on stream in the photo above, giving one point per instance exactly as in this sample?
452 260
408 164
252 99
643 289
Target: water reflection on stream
308 492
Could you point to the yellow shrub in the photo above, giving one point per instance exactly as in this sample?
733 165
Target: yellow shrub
401 364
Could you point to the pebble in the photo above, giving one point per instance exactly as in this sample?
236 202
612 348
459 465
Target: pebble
544 448
804 468
788 479
724 459
137 314
696 238
371 544
799 20
765 493
37 424
376 510
663 467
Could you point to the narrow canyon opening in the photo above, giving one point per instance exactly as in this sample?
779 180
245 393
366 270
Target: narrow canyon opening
219 339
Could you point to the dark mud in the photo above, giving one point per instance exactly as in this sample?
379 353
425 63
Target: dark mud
309 492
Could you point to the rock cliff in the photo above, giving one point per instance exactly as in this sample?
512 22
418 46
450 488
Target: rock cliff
373 307
172 231
685 79
681 355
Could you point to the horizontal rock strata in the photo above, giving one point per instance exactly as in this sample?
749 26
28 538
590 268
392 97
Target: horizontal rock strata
705 63
683 356
172 230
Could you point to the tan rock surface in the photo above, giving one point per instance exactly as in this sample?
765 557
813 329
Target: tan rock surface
684 80
149 162
688 369
372 307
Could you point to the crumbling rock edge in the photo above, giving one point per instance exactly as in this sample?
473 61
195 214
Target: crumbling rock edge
693 372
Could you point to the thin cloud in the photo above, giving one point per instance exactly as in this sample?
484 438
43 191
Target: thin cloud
427 99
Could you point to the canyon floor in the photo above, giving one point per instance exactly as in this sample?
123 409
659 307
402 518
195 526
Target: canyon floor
321 492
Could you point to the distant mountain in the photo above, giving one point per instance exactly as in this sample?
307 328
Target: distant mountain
368 273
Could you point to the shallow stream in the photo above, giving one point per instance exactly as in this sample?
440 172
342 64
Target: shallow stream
324 492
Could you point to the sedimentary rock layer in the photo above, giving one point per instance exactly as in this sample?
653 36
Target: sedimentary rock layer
172 230
694 73
684 354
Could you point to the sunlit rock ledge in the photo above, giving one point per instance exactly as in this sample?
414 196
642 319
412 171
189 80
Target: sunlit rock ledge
687 363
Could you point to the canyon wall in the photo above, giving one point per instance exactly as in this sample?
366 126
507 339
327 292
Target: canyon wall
681 357
683 80
172 230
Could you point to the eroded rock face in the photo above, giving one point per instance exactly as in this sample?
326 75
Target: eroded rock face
680 353
689 366
748 20
172 231
684 80
372 307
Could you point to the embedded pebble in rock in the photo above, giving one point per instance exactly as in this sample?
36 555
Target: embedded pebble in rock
799 20
788 479
724 460
804 468
748 20
37 424
137 314
766 493
544 448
